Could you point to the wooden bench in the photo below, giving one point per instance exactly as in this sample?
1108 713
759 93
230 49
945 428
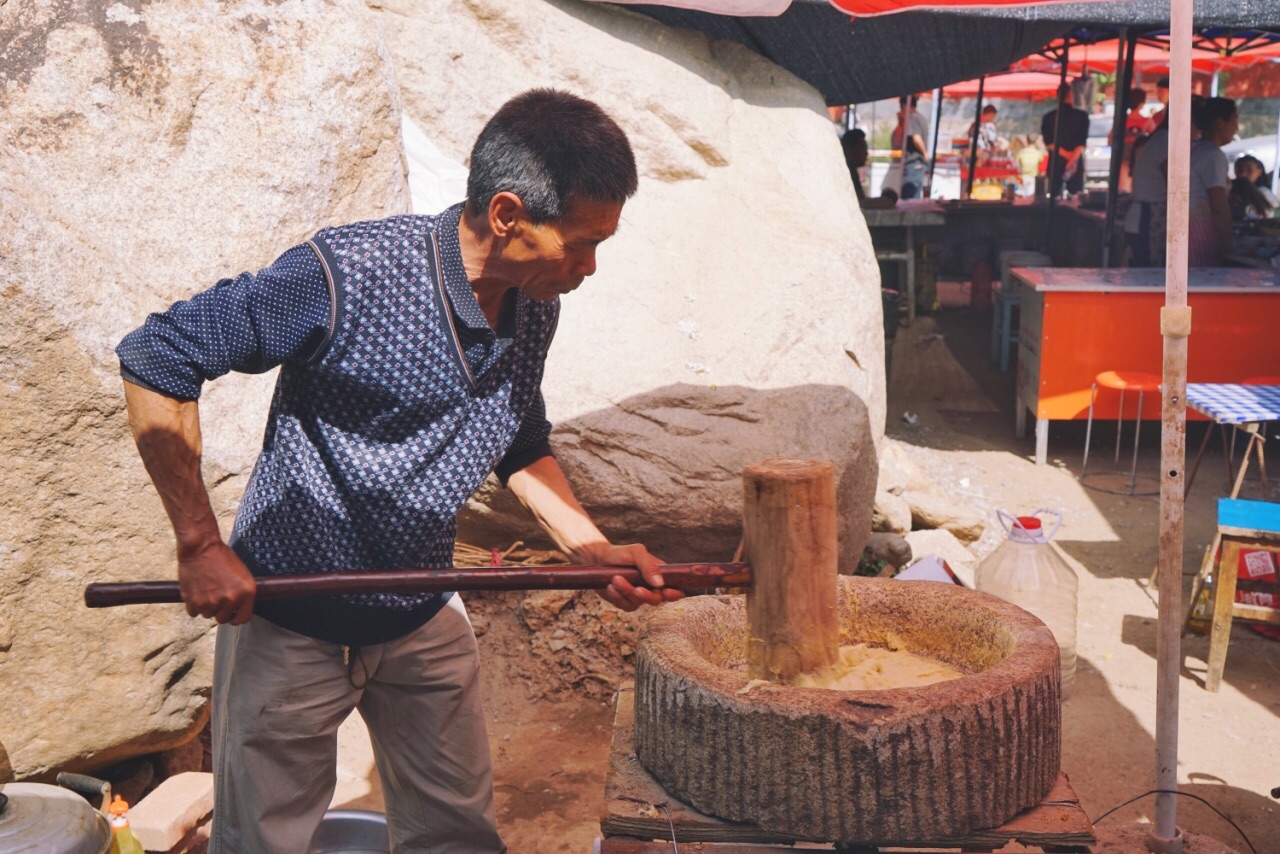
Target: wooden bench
1251 525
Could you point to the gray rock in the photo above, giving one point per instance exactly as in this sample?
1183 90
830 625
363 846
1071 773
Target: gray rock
726 323
891 514
930 511
898 472
891 548
146 152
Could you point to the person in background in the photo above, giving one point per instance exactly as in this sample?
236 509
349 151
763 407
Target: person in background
854 145
1162 95
1251 169
1249 198
1135 129
1135 124
1209 233
1027 150
1144 222
1065 128
908 137
988 133
1247 201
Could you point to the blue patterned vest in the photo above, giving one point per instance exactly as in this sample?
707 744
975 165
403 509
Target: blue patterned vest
373 447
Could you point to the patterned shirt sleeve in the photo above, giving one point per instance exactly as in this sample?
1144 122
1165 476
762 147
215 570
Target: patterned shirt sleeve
531 443
251 324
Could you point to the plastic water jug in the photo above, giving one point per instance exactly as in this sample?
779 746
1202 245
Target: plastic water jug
1028 572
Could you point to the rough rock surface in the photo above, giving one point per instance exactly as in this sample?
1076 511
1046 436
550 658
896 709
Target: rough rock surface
936 511
144 154
855 766
727 323
890 514
893 549
898 472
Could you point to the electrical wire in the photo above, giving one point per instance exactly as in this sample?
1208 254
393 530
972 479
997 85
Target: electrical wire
1185 795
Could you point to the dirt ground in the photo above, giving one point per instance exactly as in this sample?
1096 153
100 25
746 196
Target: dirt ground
552 662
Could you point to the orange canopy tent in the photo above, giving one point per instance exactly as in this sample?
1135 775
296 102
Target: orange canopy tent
1104 57
1027 85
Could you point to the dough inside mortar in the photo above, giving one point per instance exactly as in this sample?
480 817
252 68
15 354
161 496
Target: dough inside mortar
862 667
869 668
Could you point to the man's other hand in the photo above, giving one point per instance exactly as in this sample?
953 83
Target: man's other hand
622 594
215 583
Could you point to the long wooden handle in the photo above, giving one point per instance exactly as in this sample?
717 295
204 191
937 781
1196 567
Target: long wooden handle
680 576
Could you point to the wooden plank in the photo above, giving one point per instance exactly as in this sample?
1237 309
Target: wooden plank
1224 596
636 805
630 845
1249 518
1255 613
789 538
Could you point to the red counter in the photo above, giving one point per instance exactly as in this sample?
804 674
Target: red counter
1078 322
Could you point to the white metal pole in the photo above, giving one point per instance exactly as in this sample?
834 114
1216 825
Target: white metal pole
1175 326
1275 162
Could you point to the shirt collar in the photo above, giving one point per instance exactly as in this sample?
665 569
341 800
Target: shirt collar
456 285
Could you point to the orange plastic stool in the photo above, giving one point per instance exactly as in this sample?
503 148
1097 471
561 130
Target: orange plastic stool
1121 381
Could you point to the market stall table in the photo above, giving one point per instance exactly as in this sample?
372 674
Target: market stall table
905 215
1244 407
1077 322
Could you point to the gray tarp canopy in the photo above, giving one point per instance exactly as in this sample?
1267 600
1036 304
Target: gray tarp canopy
855 61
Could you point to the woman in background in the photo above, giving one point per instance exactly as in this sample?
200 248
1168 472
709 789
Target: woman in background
1251 169
1209 236
1144 222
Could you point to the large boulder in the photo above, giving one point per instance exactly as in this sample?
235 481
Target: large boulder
146 151
736 315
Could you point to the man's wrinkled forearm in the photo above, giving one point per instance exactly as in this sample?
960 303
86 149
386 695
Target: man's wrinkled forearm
167 433
542 488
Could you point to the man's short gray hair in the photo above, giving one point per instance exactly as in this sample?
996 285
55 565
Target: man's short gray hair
550 148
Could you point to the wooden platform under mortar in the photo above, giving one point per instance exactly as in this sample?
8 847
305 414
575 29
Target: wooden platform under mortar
638 809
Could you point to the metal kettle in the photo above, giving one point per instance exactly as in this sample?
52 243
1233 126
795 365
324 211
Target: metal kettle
55 819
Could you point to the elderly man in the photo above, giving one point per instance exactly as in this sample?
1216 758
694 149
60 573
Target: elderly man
412 354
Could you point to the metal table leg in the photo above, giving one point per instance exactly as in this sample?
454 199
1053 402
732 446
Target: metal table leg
911 275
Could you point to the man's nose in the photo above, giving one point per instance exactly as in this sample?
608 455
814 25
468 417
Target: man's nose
586 265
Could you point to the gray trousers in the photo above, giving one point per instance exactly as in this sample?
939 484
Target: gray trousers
278 700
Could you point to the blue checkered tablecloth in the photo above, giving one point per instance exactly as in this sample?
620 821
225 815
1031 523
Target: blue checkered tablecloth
1230 403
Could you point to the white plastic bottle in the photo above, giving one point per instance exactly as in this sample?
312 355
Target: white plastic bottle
1028 572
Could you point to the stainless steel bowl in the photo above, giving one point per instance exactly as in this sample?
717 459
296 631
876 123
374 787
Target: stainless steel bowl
351 832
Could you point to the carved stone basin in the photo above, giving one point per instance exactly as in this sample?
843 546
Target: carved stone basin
925 763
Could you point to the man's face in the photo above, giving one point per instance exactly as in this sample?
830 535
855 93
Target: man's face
1162 95
555 257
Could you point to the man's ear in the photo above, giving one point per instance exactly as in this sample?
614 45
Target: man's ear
506 215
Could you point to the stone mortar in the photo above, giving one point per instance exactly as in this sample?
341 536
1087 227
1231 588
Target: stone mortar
926 763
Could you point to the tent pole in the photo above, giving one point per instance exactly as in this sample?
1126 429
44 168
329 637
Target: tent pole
936 118
1175 326
1275 166
1119 134
973 139
1053 149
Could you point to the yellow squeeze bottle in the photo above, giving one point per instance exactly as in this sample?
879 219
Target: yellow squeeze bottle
122 839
